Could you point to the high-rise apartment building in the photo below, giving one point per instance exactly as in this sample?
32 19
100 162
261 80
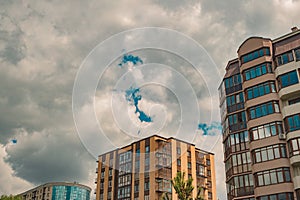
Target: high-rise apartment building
58 191
144 170
260 112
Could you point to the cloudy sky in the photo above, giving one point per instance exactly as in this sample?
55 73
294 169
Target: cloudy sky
44 43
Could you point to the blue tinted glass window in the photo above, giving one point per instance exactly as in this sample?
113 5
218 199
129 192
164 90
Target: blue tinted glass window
264 69
247 75
250 94
288 79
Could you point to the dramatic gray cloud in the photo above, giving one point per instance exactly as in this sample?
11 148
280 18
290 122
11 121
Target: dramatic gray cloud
42 44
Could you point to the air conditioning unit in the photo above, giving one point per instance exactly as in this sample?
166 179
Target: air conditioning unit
281 136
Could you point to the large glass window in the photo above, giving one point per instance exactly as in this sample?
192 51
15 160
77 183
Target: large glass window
288 79
263 110
235 102
260 90
238 163
284 58
273 176
237 121
279 196
292 123
233 84
255 54
294 147
269 153
257 71
240 186
266 130
236 142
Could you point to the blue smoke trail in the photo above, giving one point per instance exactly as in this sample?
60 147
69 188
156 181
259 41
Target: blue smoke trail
210 129
132 95
130 58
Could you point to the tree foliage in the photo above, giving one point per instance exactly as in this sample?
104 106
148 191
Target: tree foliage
184 188
10 197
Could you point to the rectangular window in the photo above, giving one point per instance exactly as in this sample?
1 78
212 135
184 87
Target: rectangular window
263 110
235 102
237 121
290 78
273 176
178 150
294 147
266 130
292 123
233 83
294 101
257 71
284 58
240 186
260 90
269 153
279 196
255 54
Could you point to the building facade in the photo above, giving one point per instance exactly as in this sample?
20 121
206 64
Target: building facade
144 170
260 113
58 191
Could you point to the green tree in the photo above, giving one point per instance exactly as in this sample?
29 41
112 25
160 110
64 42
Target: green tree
10 197
183 188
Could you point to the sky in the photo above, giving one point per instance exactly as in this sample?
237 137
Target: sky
43 46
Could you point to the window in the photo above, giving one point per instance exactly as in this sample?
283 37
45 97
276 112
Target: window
292 123
280 196
284 58
255 54
208 173
297 54
269 153
136 187
137 153
188 153
235 102
147 149
266 130
178 150
294 101
207 162
147 185
147 197
263 110
237 121
238 163
233 83
209 195
200 170
236 142
290 78
178 162
257 71
273 176
189 165
294 147
260 90
240 186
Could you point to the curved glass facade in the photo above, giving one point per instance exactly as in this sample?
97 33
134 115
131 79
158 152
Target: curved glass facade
62 192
